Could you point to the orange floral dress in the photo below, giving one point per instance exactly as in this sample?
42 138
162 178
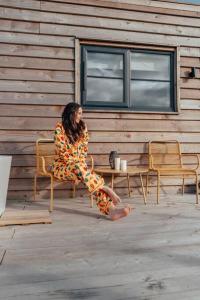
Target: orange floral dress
71 165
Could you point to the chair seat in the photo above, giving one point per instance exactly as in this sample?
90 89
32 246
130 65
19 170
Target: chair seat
180 171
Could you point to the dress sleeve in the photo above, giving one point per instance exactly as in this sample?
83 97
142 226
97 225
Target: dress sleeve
62 147
83 146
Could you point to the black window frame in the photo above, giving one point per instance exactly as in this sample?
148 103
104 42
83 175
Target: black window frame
126 104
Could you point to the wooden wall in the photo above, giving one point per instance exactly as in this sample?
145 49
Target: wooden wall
37 64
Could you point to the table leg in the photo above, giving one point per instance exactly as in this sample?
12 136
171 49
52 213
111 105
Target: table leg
144 194
112 181
128 180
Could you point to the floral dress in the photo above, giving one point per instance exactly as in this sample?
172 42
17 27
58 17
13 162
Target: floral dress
70 164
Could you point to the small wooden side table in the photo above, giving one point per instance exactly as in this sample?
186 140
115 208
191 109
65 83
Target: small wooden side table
131 171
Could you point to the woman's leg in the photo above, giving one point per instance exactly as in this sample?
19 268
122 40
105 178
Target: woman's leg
115 198
106 198
107 207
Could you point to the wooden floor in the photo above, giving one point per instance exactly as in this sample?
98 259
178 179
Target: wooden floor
152 254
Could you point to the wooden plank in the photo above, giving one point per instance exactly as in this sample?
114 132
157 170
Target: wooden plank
31 4
36 87
35 98
118 35
102 136
191 52
97 22
67 194
20 217
190 83
132 7
22 172
191 104
54 110
190 62
37 51
107 125
39 75
163 4
189 94
35 39
95 148
36 63
26 184
16 26
114 13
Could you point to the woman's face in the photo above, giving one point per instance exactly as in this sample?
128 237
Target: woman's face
78 115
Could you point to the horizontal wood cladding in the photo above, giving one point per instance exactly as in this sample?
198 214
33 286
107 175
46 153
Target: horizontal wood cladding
54 111
106 124
36 39
46 51
37 79
153 6
28 160
67 193
35 98
36 75
19 184
32 19
36 63
13 148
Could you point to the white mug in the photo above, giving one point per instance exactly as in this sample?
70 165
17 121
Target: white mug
117 163
123 165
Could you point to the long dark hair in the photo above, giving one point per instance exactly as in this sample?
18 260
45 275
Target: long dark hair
72 129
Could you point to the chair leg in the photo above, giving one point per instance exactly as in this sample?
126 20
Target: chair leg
183 185
74 190
158 187
147 184
91 200
51 199
35 187
129 190
143 190
197 189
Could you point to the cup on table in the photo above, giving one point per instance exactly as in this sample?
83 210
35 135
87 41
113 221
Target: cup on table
117 163
123 165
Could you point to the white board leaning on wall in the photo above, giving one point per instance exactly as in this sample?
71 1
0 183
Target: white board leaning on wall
5 164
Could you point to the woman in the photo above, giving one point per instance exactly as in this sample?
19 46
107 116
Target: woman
71 140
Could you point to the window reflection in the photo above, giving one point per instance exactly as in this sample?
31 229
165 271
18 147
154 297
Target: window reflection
105 65
104 90
150 66
150 94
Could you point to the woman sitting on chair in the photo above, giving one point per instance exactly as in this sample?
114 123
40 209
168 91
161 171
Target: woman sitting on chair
71 140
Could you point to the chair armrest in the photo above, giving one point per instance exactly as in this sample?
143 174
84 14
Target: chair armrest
194 155
92 161
42 161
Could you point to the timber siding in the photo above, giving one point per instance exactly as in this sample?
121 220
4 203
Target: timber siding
37 78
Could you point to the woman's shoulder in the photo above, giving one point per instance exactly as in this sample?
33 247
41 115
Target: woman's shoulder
58 127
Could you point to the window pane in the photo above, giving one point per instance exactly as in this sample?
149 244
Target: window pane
105 90
150 66
150 94
104 64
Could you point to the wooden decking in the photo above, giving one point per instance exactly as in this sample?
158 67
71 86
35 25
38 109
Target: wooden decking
152 254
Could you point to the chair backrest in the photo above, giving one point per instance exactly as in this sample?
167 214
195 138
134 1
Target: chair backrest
165 155
45 154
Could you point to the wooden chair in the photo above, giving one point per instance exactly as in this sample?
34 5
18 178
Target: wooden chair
166 159
45 154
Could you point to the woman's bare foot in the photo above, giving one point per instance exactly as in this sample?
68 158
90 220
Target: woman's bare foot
115 198
119 213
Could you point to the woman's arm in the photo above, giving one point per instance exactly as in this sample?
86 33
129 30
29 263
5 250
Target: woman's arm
83 146
63 148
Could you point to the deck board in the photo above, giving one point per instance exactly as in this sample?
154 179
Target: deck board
151 255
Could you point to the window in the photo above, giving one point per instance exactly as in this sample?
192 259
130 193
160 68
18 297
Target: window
130 79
